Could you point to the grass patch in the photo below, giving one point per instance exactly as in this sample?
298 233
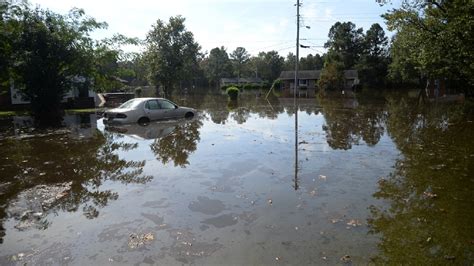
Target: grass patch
12 113
83 111
7 113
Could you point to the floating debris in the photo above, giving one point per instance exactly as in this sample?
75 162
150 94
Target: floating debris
346 259
354 223
430 195
323 177
136 241
32 205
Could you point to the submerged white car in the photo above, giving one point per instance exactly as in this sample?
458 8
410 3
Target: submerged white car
144 110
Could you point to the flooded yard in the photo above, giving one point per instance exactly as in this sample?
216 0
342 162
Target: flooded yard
337 181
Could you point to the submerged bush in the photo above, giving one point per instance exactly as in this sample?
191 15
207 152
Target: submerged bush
233 93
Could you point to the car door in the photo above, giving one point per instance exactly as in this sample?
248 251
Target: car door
169 109
153 110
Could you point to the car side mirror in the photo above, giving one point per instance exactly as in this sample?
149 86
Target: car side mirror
176 107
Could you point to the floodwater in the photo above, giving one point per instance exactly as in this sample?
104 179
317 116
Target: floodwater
360 181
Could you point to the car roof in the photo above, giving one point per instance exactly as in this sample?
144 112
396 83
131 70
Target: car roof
148 98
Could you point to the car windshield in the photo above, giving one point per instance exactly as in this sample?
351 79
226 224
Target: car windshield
130 104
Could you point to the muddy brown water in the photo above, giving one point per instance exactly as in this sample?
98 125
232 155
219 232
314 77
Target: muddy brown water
376 181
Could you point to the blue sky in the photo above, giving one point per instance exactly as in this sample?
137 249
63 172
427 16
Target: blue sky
257 25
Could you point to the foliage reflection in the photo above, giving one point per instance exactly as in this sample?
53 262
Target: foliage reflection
178 145
85 163
347 122
429 220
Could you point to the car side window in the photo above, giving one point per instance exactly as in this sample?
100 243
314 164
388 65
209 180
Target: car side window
152 105
166 105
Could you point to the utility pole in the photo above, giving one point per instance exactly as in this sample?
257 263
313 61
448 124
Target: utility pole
297 47
295 88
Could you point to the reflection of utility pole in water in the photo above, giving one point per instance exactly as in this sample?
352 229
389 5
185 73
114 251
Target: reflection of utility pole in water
295 101
296 148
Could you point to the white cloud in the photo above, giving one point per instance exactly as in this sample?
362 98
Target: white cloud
328 13
269 29
232 26
309 10
283 22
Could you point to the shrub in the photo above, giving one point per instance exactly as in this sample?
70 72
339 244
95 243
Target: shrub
233 92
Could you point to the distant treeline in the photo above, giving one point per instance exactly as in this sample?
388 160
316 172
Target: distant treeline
45 54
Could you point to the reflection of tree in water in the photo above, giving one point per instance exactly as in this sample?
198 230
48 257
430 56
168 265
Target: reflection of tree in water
218 111
239 114
370 123
54 159
429 221
347 122
218 107
179 144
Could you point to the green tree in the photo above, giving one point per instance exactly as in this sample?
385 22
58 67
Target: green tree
218 65
289 63
9 31
268 65
171 53
402 68
373 63
345 43
109 59
137 65
240 57
50 55
311 62
332 77
435 38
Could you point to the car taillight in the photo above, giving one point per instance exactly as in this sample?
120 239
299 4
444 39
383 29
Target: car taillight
121 116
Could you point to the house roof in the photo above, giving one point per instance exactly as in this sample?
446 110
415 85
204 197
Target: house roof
302 74
314 74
